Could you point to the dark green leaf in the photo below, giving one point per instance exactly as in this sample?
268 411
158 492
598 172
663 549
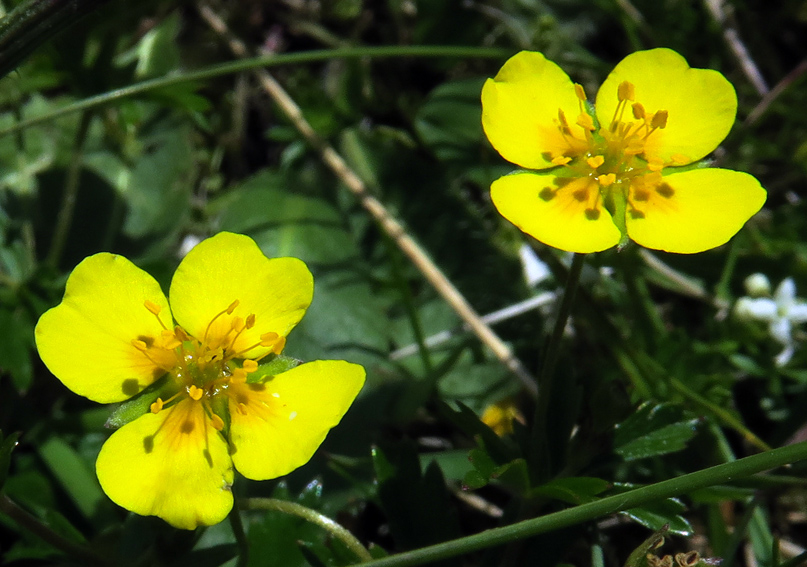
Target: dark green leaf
653 430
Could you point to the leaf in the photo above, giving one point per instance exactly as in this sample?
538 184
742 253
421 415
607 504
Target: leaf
656 515
638 557
16 347
572 490
73 474
7 446
136 406
653 430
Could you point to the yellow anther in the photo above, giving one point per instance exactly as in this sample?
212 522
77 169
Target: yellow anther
268 339
659 119
638 111
595 161
564 124
578 90
170 341
250 321
153 307
242 408
232 307
195 393
250 366
157 406
180 334
655 164
139 345
679 159
278 347
606 179
238 324
560 160
625 91
586 121
216 422
239 375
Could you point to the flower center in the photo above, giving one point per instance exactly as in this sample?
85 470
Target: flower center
608 166
203 369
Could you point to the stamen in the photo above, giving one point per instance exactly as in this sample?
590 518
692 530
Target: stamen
180 334
155 310
585 121
564 124
170 341
250 321
679 159
232 307
595 161
239 375
655 164
607 179
228 311
561 160
242 408
139 345
238 324
659 119
157 406
578 90
216 422
625 91
250 366
638 110
195 393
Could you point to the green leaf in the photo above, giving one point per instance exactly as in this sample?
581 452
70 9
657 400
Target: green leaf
138 405
572 490
274 366
73 474
7 445
16 347
653 430
656 515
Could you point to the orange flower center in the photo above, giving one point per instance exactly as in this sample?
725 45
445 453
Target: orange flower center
608 166
204 369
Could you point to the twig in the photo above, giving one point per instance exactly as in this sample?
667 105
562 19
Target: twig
388 223
737 47
775 92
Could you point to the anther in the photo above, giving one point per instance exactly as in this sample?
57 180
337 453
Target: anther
195 393
585 121
238 324
249 366
607 179
239 375
268 339
250 321
655 164
595 161
625 91
242 408
180 334
153 307
564 124
638 110
578 90
216 422
157 406
659 119
139 345
560 160
232 307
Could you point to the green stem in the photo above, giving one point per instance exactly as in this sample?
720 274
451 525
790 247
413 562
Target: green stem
312 516
258 62
719 412
240 536
597 509
545 378
65 217
45 533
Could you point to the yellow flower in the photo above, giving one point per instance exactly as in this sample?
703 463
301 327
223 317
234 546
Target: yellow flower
114 334
500 416
618 172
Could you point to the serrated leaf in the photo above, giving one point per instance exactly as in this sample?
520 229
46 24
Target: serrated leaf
655 515
653 430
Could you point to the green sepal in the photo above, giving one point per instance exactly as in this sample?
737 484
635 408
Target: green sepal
278 364
7 445
138 405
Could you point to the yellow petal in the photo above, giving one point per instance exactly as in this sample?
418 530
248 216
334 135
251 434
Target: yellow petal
552 215
86 340
172 464
520 110
701 103
705 209
276 426
230 267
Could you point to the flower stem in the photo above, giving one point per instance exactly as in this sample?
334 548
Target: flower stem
240 536
246 64
666 489
28 522
294 509
547 375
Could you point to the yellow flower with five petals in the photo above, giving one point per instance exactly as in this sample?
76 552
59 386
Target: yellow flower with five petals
625 170
114 334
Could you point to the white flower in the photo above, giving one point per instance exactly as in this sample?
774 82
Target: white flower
780 312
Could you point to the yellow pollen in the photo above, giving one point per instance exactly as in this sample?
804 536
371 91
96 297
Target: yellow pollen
560 160
268 339
607 179
250 366
578 90
216 422
139 345
232 307
655 164
239 375
625 91
153 307
595 161
638 110
157 406
195 393
250 321
238 324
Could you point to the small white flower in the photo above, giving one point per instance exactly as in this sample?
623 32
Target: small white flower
781 312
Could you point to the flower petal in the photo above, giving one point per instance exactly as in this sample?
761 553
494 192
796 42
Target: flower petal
230 267
701 103
699 210
539 206
174 465
276 426
520 110
86 340
760 308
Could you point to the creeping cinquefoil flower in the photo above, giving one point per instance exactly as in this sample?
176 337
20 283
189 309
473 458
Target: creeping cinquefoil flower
625 170
114 334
